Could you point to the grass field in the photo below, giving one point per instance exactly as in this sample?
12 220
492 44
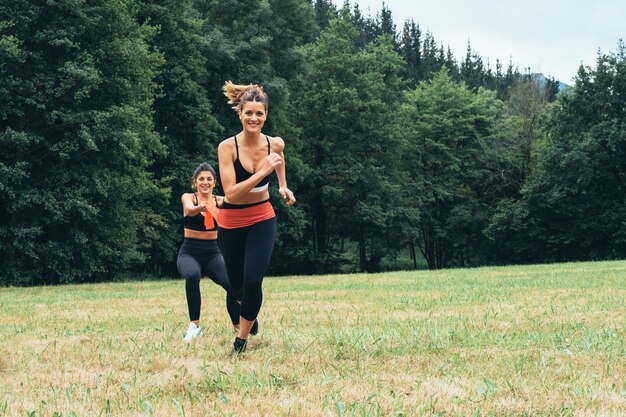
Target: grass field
509 341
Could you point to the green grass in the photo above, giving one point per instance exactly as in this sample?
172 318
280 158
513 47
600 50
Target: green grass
544 340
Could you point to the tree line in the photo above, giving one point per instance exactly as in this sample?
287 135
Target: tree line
401 155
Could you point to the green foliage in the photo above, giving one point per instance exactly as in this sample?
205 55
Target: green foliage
444 122
573 204
509 152
183 116
410 49
76 140
349 141
472 70
324 11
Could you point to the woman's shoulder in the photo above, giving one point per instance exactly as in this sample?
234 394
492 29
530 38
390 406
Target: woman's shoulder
276 142
230 139
186 196
227 143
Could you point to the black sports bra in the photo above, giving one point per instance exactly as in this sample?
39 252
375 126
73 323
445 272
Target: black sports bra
197 222
241 174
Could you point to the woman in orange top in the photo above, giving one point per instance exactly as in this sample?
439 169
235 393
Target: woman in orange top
247 222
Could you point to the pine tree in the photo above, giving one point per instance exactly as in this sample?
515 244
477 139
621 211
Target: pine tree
429 57
324 10
410 49
386 26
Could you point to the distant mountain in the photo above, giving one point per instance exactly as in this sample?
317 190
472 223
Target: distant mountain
542 81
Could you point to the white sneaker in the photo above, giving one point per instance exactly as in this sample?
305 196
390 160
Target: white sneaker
193 331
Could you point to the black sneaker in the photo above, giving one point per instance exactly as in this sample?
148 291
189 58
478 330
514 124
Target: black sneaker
239 346
254 330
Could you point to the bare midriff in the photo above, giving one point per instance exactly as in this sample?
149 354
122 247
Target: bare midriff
196 234
251 198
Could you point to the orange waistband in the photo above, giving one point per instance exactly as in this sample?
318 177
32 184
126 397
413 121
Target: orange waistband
234 218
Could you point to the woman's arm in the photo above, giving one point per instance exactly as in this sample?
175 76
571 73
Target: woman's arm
189 208
226 157
278 145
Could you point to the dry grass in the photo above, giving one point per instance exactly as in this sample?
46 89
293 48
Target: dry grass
517 341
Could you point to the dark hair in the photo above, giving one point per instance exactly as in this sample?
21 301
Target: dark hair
205 166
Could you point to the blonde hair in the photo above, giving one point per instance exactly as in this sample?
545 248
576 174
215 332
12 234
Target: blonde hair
240 94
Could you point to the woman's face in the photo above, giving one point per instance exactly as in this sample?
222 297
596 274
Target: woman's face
205 182
253 116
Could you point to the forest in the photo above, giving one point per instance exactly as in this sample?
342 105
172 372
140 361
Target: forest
401 155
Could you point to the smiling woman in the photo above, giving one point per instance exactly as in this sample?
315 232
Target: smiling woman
199 254
247 223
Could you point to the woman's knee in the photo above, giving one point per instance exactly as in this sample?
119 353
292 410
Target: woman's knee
252 287
192 277
237 294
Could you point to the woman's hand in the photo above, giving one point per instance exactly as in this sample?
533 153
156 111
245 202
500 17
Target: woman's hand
288 194
189 206
271 162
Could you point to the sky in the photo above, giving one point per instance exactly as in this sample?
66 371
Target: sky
549 36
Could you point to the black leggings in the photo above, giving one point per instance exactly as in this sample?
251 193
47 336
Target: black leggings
202 257
247 253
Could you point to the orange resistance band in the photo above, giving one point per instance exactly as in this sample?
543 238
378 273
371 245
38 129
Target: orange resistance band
213 212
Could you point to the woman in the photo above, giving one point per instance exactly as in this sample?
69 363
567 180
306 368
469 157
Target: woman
247 227
199 254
